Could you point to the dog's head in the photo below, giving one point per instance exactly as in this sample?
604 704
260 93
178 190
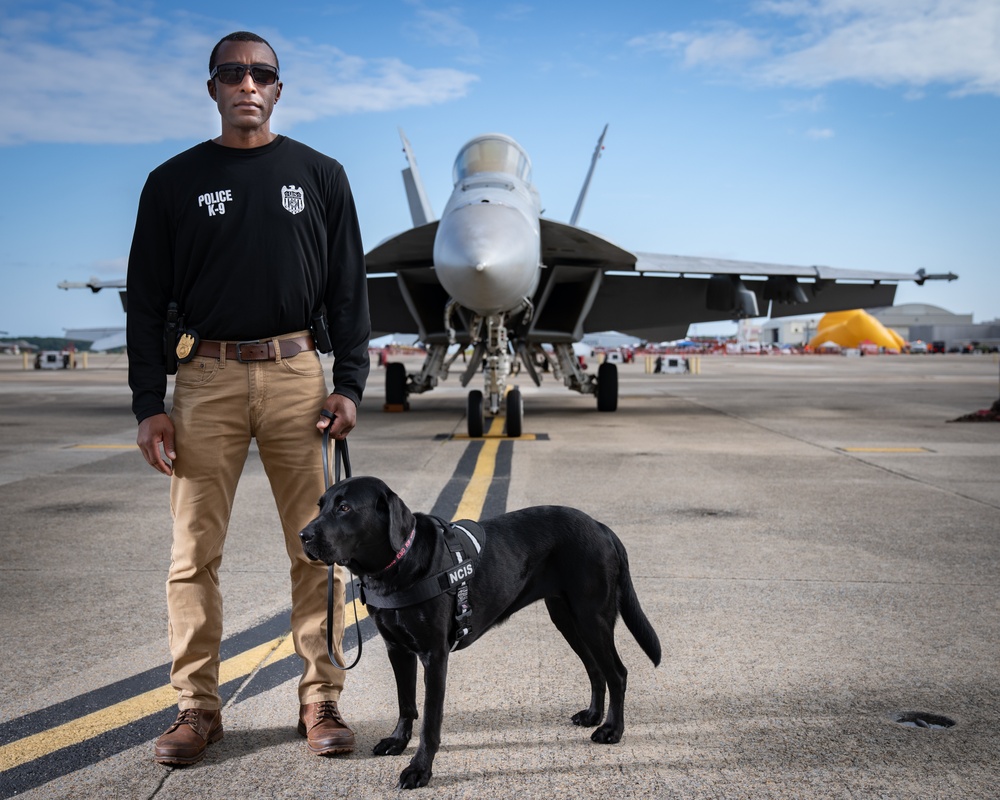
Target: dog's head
361 525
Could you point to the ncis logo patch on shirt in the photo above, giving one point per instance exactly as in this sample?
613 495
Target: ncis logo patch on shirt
293 199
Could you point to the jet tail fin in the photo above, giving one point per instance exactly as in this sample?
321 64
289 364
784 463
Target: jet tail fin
416 196
590 174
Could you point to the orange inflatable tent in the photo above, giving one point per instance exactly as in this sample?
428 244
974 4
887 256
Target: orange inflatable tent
854 328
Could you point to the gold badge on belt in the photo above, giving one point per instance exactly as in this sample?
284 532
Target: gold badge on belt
187 343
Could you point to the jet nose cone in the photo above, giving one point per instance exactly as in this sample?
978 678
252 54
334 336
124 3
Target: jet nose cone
486 256
484 236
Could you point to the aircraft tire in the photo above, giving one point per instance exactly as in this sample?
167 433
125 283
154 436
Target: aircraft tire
395 384
607 387
515 413
474 412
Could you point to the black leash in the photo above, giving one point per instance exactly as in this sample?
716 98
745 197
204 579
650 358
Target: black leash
340 455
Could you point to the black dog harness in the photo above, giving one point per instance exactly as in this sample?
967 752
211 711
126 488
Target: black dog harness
457 547
452 553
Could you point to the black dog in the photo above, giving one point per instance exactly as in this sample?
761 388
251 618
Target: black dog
552 553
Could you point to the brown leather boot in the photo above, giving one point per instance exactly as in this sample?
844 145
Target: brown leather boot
325 730
186 740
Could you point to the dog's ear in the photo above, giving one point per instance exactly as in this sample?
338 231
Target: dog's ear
401 519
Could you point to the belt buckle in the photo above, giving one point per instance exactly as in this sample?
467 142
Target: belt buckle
239 351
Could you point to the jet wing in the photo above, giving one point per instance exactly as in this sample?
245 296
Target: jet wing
694 265
659 307
387 306
657 296
109 342
788 290
100 338
650 295
406 250
663 294
94 284
404 295
570 245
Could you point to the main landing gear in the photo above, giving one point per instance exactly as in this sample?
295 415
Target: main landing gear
607 387
495 363
474 414
395 386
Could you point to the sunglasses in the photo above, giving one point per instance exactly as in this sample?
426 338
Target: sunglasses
232 74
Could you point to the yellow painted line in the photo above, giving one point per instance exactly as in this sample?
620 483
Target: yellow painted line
471 504
524 437
114 716
156 700
79 730
884 449
354 612
283 650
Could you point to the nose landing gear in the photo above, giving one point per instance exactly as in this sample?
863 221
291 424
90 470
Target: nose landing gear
513 407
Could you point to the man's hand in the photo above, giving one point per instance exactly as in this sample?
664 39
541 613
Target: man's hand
156 432
345 416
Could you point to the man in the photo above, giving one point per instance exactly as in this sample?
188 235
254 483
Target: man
252 235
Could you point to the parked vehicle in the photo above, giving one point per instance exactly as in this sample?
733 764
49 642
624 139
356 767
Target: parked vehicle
52 359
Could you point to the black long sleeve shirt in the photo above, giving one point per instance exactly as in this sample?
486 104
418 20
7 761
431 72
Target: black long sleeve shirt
249 243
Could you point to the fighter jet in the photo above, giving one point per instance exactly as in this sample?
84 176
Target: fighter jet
520 289
495 275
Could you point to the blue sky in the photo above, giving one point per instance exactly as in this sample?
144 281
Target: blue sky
859 134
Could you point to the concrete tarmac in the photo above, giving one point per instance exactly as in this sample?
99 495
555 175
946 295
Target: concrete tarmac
817 545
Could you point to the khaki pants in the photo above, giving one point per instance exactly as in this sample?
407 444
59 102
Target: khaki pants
218 406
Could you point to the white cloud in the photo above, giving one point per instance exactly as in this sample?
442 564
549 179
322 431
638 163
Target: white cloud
725 44
444 28
331 82
911 44
820 133
100 72
813 43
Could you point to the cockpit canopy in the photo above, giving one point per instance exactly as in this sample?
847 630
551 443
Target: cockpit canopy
492 152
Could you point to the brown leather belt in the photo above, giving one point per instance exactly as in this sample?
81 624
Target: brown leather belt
257 350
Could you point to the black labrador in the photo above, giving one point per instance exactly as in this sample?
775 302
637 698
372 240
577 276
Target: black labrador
577 565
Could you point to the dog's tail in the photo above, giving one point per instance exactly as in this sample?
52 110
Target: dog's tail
628 606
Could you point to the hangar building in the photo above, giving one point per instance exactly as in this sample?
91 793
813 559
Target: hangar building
912 321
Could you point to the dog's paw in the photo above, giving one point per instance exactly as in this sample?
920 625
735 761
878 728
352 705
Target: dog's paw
414 777
587 718
390 746
607 734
